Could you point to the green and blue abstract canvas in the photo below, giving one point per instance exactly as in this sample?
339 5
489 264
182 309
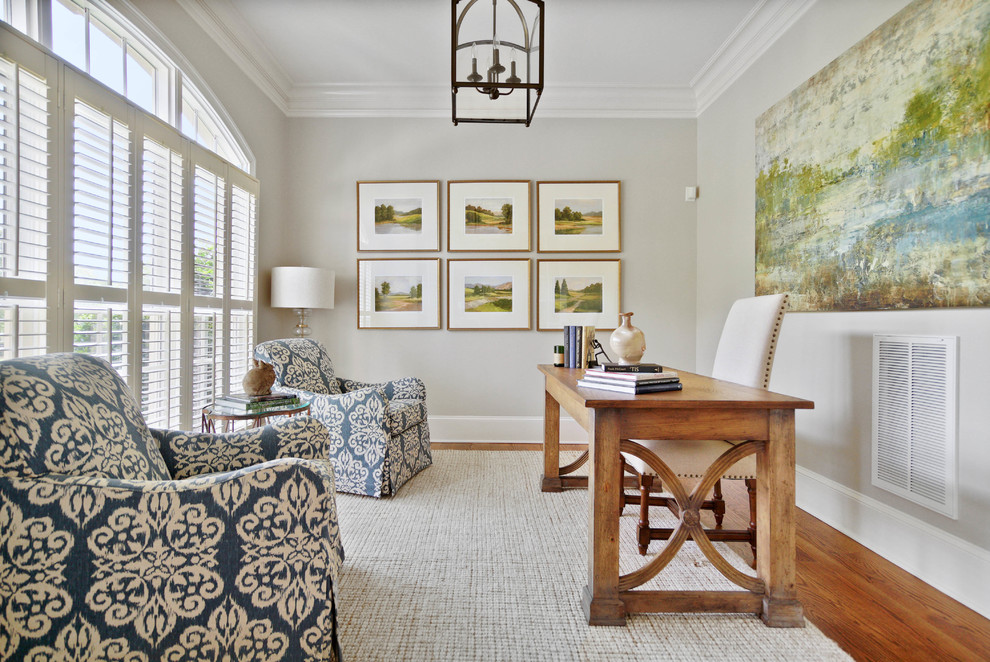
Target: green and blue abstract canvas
873 177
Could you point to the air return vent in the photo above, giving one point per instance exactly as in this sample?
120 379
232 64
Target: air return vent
914 419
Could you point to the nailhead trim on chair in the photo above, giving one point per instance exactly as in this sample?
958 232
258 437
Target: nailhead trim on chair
773 341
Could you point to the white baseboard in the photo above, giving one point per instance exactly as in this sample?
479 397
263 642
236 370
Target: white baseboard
501 429
952 565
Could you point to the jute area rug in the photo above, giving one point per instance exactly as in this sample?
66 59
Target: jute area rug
470 561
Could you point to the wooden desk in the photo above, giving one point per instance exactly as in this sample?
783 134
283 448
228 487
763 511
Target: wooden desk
706 409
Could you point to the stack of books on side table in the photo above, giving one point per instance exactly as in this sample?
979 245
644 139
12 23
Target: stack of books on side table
633 378
242 403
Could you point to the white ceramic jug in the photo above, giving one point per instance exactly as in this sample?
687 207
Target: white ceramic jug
627 341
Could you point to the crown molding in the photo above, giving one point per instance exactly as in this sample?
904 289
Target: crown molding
225 25
564 101
763 26
767 21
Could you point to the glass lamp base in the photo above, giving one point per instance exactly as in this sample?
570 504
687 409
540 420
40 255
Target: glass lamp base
301 329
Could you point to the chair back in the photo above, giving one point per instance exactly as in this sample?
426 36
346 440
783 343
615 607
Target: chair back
300 363
749 340
72 414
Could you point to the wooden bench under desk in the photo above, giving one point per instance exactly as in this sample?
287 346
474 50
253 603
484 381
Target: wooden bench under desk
706 408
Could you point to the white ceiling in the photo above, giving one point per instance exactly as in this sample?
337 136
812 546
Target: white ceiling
603 58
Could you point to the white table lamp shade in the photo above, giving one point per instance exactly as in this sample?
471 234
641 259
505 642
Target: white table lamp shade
302 287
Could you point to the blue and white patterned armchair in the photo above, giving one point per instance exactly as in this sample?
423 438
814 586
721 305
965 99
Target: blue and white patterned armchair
118 542
379 434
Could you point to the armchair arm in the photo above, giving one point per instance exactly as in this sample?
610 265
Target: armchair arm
191 454
247 560
357 423
356 419
405 388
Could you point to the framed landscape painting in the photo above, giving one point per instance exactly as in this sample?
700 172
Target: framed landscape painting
488 215
578 292
399 293
398 216
578 217
488 294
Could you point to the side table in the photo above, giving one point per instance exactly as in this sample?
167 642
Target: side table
256 419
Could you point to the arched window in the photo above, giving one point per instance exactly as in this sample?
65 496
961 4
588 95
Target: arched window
127 225
96 39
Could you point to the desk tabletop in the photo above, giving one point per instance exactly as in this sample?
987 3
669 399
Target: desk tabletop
699 392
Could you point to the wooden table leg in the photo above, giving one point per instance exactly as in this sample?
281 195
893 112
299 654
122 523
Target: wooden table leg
775 527
600 601
551 446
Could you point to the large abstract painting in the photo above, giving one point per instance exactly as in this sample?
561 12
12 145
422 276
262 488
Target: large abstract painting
873 184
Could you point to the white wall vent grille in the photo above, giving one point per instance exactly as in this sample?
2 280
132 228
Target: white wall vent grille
914 419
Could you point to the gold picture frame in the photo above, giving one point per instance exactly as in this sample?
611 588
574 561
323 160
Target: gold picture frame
398 215
488 215
489 294
579 217
398 293
593 297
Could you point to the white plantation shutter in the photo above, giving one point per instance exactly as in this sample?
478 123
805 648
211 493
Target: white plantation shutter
100 329
161 218
102 198
154 238
241 348
242 250
209 211
208 352
23 327
161 364
243 220
24 173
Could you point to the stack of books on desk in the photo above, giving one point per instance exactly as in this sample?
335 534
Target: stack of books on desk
634 378
578 342
242 403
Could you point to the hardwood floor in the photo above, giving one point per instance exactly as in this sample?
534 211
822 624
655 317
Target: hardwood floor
874 610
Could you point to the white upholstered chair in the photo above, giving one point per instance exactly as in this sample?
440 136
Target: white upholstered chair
744 356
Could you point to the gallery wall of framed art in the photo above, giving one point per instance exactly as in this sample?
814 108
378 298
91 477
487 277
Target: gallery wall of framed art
488 293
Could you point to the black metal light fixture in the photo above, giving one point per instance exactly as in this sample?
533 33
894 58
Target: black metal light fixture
504 32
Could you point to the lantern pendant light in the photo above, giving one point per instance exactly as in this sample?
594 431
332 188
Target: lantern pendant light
477 26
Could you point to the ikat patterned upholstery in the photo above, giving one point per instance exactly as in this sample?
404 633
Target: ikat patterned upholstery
215 547
300 363
72 414
379 433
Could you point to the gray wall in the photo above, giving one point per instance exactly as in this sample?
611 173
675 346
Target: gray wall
492 373
826 356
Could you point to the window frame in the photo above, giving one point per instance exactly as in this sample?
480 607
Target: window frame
144 38
60 291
